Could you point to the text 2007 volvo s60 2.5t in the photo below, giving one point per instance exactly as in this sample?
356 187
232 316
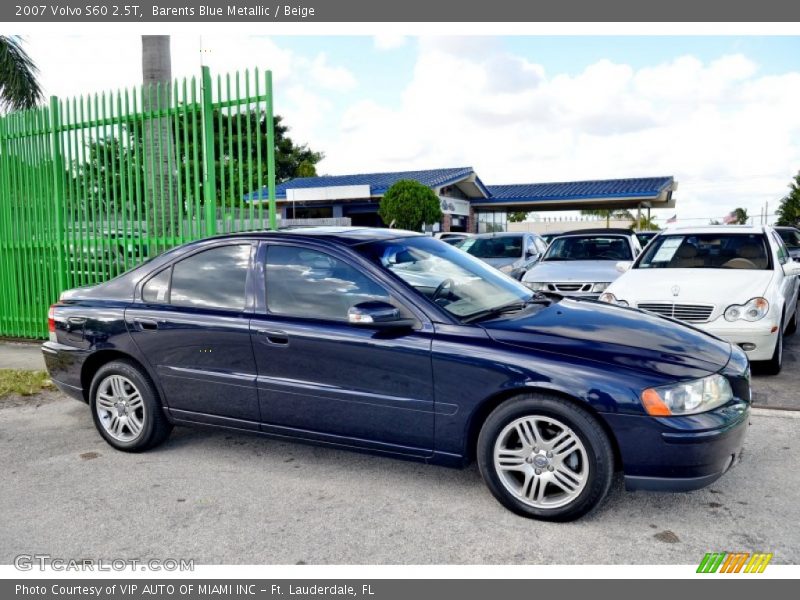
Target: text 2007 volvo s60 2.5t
395 343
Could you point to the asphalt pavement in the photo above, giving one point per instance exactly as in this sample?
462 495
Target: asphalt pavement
219 497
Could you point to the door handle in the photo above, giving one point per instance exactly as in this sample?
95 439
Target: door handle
274 337
146 324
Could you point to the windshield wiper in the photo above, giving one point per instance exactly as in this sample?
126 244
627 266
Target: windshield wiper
505 308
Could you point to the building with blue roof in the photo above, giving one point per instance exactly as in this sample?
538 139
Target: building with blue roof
467 203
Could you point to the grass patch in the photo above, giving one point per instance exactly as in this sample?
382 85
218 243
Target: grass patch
23 383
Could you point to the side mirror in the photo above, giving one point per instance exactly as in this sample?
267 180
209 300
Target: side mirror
377 315
623 265
791 268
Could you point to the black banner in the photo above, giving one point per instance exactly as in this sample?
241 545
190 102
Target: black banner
389 589
327 11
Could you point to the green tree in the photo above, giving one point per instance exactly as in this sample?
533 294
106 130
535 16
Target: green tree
517 217
789 209
608 214
740 216
644 223
408 204
19 87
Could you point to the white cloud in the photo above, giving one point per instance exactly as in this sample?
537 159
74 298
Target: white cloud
389 41
729 135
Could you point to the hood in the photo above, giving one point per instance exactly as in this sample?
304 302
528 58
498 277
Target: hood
616 336
702 286
501 262
587 271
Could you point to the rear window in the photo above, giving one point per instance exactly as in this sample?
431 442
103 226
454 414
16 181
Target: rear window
707 251
503 246
589 247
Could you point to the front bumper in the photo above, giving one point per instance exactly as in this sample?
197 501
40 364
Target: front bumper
758 333
680 453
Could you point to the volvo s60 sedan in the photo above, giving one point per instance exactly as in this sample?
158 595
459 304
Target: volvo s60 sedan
398 344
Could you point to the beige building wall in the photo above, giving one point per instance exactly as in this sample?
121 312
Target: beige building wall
558 225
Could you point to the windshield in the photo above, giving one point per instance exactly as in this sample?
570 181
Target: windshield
790 237
706 251
455 281
589 247
500 246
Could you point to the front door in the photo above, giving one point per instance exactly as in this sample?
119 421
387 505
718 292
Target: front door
193 326
322 378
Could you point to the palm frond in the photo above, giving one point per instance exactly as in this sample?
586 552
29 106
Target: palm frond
19 86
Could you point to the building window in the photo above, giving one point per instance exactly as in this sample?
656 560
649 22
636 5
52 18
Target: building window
492 220
309 212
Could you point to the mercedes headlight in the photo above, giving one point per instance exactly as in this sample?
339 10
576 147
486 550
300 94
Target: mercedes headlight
687 398
611 299
753 310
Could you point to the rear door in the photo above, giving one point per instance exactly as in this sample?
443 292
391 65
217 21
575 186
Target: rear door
322 378
192 325
789 285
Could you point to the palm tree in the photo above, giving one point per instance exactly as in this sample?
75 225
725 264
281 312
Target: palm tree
740 216
158 143
19 88
645 223
608 214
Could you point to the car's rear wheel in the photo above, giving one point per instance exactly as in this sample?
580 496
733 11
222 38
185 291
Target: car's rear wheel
545 458
126 409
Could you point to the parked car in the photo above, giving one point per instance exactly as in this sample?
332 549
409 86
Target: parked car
452 237
582 263
645 237
511 253
736 282
398 344
551 235
791 239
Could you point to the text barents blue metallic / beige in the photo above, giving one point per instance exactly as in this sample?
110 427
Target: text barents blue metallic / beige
395 343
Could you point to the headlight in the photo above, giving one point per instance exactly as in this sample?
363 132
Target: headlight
611 299
687 398
535 286
507 268
753 310
600 287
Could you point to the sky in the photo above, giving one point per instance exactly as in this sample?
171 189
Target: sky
718 113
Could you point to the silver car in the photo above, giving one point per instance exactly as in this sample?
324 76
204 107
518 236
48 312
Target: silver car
511 253
583 263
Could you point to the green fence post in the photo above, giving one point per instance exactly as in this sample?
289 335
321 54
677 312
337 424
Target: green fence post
209 169
58 190
273 224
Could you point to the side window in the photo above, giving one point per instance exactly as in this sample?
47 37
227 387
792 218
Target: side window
783 253
308 283
214 278
156 290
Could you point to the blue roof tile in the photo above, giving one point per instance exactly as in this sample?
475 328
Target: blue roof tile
606 188
378 182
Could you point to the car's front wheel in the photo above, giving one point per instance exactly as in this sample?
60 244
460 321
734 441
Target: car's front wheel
545 458
126 409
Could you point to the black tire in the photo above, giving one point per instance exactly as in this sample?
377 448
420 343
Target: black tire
773 365
598 452
792 326
155 428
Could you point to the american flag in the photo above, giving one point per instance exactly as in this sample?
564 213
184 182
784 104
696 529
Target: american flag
673 218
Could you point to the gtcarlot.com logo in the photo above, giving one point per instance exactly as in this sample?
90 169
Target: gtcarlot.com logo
734 562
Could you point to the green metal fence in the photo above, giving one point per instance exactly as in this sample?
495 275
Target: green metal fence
94 185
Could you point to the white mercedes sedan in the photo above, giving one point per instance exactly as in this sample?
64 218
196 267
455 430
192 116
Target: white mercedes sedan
737 282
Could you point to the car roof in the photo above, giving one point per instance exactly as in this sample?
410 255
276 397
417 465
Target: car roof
785 228
600 231
712 229
503 234
349 236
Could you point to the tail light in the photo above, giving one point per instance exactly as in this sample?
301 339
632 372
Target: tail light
51 322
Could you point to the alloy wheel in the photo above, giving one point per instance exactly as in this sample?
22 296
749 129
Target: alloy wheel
541 461
120 408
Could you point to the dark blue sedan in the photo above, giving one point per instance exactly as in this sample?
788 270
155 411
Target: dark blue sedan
399 344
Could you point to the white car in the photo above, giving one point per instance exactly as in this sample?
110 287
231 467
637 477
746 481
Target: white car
735 282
